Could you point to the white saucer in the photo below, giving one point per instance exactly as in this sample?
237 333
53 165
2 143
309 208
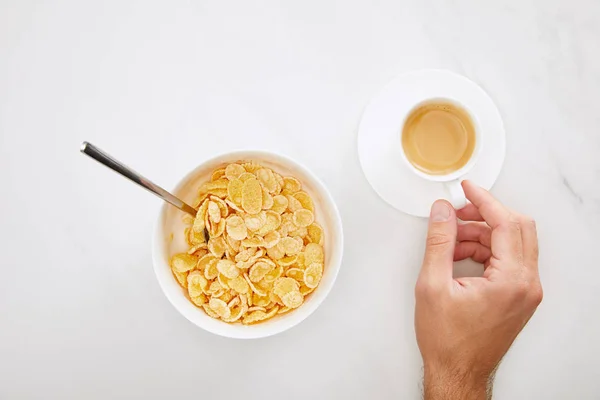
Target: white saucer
379 145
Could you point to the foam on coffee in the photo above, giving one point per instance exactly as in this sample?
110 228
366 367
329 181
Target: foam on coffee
438 138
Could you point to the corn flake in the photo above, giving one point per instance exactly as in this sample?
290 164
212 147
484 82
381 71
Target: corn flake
300 260
287 261
296 273
234 192
315 233
255 241
236 228
199 221
222 205
283 310
239 284
271 239
293 299
313 274
280 204
253 287
195 248
237 313
267 179
218 174
272 275
260 301
196 283
233 206
210 312
276 252
233 245
313 253
291 185
214 288
259 270
251 167
228 268
226 296
285 285
233 171
234 302
223 281
252 196
303 218
257 316
279 180
291 245
183 262
216 246
255 222
267 200
181 278
199 300
293 203
220 308
214 212
245 254
275 299
217 229
245 176
257 308
305 200
253 317
210 269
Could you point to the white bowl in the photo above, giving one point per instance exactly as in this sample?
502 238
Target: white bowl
169 240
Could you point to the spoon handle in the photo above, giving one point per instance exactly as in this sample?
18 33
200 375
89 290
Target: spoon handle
103 158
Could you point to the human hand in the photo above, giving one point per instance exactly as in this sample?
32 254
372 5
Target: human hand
464 326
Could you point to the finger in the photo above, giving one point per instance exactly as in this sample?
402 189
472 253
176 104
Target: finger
492 211
507 242
473 250
469 213
475 232
506 228
441 239
530 241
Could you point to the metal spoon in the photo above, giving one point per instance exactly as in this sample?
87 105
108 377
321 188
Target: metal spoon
103 158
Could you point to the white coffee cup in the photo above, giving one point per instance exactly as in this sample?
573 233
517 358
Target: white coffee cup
451 181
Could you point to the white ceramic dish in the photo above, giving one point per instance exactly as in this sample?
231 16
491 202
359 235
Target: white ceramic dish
169 240
379 138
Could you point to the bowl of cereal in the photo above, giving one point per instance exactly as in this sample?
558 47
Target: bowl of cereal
263 251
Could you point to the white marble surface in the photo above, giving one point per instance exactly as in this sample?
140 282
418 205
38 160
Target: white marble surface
164 85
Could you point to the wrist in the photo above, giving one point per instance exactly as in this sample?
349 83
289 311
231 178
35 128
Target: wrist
455 383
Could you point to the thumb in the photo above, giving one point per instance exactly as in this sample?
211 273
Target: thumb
441 240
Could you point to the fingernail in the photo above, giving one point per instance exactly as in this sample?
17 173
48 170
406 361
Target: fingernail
440 211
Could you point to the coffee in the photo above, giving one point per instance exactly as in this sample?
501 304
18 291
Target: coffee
438 138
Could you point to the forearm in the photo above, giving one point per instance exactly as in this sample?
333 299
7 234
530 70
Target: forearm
453 384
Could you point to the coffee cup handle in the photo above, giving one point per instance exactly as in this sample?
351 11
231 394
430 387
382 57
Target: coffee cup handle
456 194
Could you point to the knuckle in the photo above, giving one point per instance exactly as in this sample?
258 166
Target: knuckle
535 252
515 223
529 292
536 294
420 289
438 240
522 289
512 225
528 222
424 289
